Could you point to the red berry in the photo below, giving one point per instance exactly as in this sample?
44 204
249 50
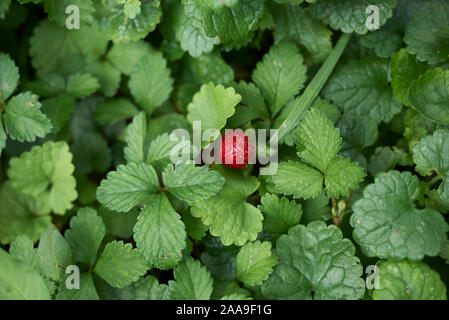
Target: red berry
235 150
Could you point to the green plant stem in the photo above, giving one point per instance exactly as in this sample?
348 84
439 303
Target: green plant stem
302 103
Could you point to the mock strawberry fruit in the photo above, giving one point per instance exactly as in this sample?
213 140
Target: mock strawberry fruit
236 151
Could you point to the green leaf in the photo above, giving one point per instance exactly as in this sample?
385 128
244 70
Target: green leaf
159 151
91 153
132 8
317 140
150 82
316 209
404 70
120 264
349 15
297 179
54 254
56 10
87 290
58 109
423 35
429 94
361 87
342 176
194 227
118 224
280 75
229 23
125 56
22 248
431 154
388 225
159 233
128 186
279 214
23 118
255 262
45 173
192 184
9 76
147 288
408 280
81 85
213 105
120 28
229 216
114 110
315 262
19 281
210 67
135 139
86 232
192 281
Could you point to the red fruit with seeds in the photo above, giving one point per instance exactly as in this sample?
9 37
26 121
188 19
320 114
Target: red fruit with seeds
236 151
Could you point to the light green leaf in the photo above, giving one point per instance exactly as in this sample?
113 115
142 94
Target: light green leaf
135 139
279 214
408 280
315 262
388 225
147 288
19 281
192 184
22 248
429 94
255 262
159 233
298 179
45 173
280 75
86 232
431 154
213 105
23 118
9 76
192 281
159 151
210 67
125 188
150 82
342 176
120 264
361 87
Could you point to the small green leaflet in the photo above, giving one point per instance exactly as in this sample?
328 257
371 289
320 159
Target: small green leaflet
9 76
279 213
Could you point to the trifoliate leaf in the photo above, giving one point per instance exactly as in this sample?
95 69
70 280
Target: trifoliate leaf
81 85
23 118
317 140
9 77
57 11
132 8
45 172
120 264
315 262
54 254
190 37
85 235
86 291
16 217
388 225
255 262
408 280
19 281
125 56
230 217
429 94
279 214
22 248
298 179
294 23
150 82
431 154
159 233
423 34
120 28
192 281
126 187
192 184
361 87
280 75
350 15
114 110
233 23
213 105
404 70
342 176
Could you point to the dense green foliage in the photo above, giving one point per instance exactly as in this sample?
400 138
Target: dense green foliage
86 176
